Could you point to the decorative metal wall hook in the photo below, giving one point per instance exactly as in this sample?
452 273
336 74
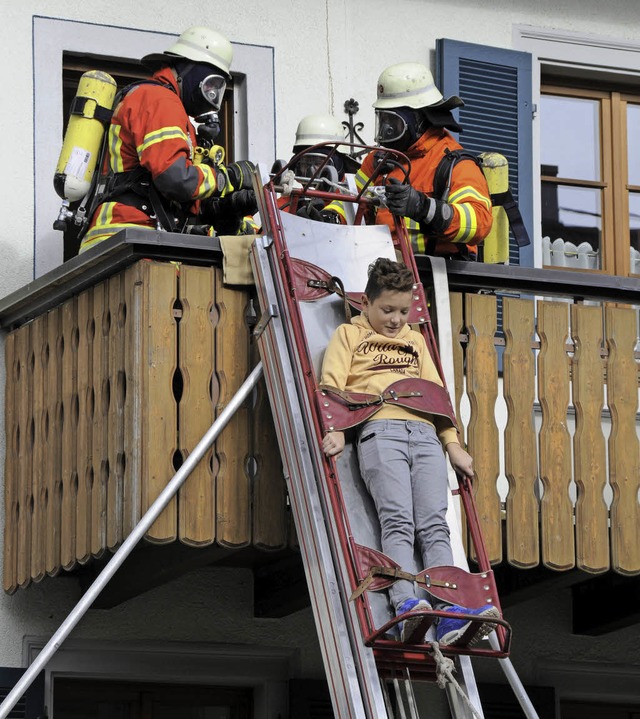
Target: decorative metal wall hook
351 107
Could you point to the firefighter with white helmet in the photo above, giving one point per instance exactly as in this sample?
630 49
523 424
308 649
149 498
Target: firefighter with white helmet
313 130
150 177
412 116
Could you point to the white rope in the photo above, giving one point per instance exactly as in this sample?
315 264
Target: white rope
444 674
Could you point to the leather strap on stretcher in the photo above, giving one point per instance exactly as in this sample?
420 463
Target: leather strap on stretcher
377 572
311 283
340 410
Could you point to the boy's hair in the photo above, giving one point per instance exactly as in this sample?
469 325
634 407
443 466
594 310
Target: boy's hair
385 274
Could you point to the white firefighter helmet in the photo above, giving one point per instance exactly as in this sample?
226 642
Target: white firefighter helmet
411 84
200 44
314 129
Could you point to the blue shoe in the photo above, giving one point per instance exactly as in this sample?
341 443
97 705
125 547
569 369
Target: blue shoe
409 626
449 630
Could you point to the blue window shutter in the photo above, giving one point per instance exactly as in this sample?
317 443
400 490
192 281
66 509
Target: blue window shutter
495 85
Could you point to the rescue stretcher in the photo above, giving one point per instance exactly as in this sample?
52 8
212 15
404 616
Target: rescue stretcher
309 275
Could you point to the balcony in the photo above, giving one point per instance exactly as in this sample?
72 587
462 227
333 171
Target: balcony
118 362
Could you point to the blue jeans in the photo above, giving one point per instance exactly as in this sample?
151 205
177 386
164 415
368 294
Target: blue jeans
404 469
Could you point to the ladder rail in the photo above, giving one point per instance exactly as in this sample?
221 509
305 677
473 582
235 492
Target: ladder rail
350 668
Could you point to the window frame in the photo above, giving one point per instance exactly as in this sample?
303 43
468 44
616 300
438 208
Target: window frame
584 57
614 172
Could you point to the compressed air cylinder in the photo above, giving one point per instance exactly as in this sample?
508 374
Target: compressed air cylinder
81 145
496 243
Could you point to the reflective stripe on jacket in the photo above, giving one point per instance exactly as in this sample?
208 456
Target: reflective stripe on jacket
468 194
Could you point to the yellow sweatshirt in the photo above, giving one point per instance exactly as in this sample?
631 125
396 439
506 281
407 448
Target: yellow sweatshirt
358 359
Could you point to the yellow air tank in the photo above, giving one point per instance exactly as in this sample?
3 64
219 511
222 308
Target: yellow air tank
496 243
81 146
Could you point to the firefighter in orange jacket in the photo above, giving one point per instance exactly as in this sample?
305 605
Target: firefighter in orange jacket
413 117
151 178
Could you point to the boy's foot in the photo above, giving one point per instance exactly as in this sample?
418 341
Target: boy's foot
449 630
409 626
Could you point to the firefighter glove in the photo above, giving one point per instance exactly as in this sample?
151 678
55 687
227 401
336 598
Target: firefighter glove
406 201
313 210
242 203
240 174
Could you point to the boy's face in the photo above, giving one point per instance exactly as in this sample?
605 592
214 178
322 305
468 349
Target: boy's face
389 312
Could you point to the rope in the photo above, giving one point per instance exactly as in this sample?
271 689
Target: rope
444 673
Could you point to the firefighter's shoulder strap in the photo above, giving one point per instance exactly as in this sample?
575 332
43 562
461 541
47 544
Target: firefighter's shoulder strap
489 163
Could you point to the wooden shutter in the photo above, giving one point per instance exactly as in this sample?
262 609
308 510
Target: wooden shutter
31 703
495 85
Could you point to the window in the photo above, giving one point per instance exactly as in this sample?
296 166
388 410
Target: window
590 178
595 79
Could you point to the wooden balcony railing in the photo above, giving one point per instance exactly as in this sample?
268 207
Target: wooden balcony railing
117 364
106 393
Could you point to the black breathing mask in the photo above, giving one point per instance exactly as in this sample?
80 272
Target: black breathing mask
399 128
201 87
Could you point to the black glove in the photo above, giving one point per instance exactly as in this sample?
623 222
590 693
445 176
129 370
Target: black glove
313 210
240 174
226 214
405 201
241 203
384 162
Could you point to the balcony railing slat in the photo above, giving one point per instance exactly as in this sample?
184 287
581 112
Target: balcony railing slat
69 432
520 439
270 518
84 458
196 499
100 420
556 510
134 362
11 418
25 492
456 300
233 484
38 547
624 450
590 463
482 386
53 447
160 414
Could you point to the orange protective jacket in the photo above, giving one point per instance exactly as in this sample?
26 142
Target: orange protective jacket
151 129
469 195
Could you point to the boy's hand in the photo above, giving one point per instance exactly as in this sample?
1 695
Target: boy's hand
460 460
333 444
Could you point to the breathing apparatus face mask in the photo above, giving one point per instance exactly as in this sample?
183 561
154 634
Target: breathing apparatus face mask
308 164
398 129
202 88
